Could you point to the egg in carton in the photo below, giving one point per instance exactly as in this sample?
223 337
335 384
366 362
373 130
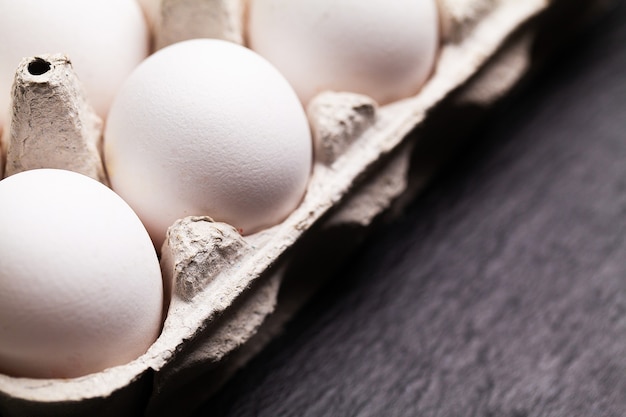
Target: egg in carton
229 294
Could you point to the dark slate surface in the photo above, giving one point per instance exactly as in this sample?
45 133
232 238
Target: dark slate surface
501 292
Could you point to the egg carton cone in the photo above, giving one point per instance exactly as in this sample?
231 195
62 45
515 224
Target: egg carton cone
174 21
52 125
229 295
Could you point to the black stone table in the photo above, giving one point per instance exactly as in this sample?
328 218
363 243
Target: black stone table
500 292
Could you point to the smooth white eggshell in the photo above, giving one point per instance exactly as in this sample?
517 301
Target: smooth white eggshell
105 40
80 283
381 48
208 127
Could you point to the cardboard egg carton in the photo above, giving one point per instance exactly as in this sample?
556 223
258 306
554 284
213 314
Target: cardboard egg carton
229 295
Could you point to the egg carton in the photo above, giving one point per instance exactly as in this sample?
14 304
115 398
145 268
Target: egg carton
229 295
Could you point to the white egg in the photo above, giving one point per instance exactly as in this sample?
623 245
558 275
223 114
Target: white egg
208 127
381 48
105 40
80 283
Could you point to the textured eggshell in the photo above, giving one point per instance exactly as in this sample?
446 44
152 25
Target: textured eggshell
105 40
80 284
381 48
208 127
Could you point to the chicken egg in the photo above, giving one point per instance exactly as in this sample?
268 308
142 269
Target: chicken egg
80 282
105 40
208 127
381 48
